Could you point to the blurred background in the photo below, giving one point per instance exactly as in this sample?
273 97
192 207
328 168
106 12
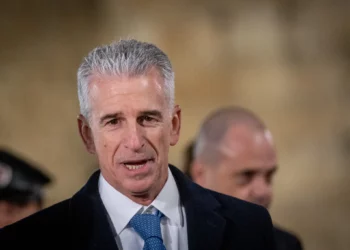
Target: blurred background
286 60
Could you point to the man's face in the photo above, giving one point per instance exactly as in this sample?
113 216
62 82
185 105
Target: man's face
247 167
130 130
11 212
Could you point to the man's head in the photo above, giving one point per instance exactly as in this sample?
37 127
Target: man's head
21 187
128 117
234 154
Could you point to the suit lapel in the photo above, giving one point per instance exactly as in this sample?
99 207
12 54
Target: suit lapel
89 217
205 227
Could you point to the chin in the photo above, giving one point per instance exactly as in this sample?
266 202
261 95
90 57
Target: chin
140 188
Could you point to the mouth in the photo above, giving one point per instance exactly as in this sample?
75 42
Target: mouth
136 164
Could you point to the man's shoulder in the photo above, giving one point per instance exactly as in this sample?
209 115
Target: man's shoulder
247 224
230 207
288 239
284 233
243 210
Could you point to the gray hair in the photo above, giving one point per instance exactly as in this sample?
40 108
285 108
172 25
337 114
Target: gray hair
124 58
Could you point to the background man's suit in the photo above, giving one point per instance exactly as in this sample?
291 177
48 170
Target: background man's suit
214 221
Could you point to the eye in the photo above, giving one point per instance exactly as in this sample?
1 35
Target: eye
147 120
248 174
245 177
114 121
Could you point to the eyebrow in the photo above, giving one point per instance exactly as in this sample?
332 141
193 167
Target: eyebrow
154 113
256 170
110 116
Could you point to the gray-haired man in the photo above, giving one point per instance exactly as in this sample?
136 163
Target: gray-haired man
137 200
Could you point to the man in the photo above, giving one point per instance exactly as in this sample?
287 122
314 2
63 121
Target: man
21 187
234 154
137 201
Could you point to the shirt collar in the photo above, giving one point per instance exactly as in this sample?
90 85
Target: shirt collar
121 209
168 201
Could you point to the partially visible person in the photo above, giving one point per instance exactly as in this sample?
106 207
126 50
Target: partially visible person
234 154
21 187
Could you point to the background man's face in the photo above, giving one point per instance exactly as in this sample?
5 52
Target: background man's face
247 167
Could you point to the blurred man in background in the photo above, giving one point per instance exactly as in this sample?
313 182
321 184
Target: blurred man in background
234 154
21 188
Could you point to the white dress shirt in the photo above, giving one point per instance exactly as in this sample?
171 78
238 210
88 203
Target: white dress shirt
121 209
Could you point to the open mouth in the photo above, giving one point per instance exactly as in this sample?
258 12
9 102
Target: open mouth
134 165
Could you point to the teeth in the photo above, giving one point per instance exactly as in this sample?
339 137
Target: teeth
133 167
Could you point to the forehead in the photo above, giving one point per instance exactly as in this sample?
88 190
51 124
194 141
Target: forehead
247 148
124 84
122 91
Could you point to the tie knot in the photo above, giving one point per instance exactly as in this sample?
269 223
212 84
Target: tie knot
147 225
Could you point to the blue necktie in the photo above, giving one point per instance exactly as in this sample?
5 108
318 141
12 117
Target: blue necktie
148 227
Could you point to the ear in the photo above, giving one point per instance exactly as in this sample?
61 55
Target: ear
197 172
176 125
86 134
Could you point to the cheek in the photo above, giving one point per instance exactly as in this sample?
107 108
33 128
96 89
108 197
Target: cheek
231 187
270 193
106 145
107 139
159 138
215 180
242 193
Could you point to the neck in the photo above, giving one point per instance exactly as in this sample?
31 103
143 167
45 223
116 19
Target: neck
147 197
144 199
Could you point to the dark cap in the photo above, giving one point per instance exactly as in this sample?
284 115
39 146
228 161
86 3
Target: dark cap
21 181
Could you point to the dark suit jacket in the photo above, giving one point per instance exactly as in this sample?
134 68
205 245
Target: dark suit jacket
214 221
286 240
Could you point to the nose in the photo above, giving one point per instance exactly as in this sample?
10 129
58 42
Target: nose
261 191
133 138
